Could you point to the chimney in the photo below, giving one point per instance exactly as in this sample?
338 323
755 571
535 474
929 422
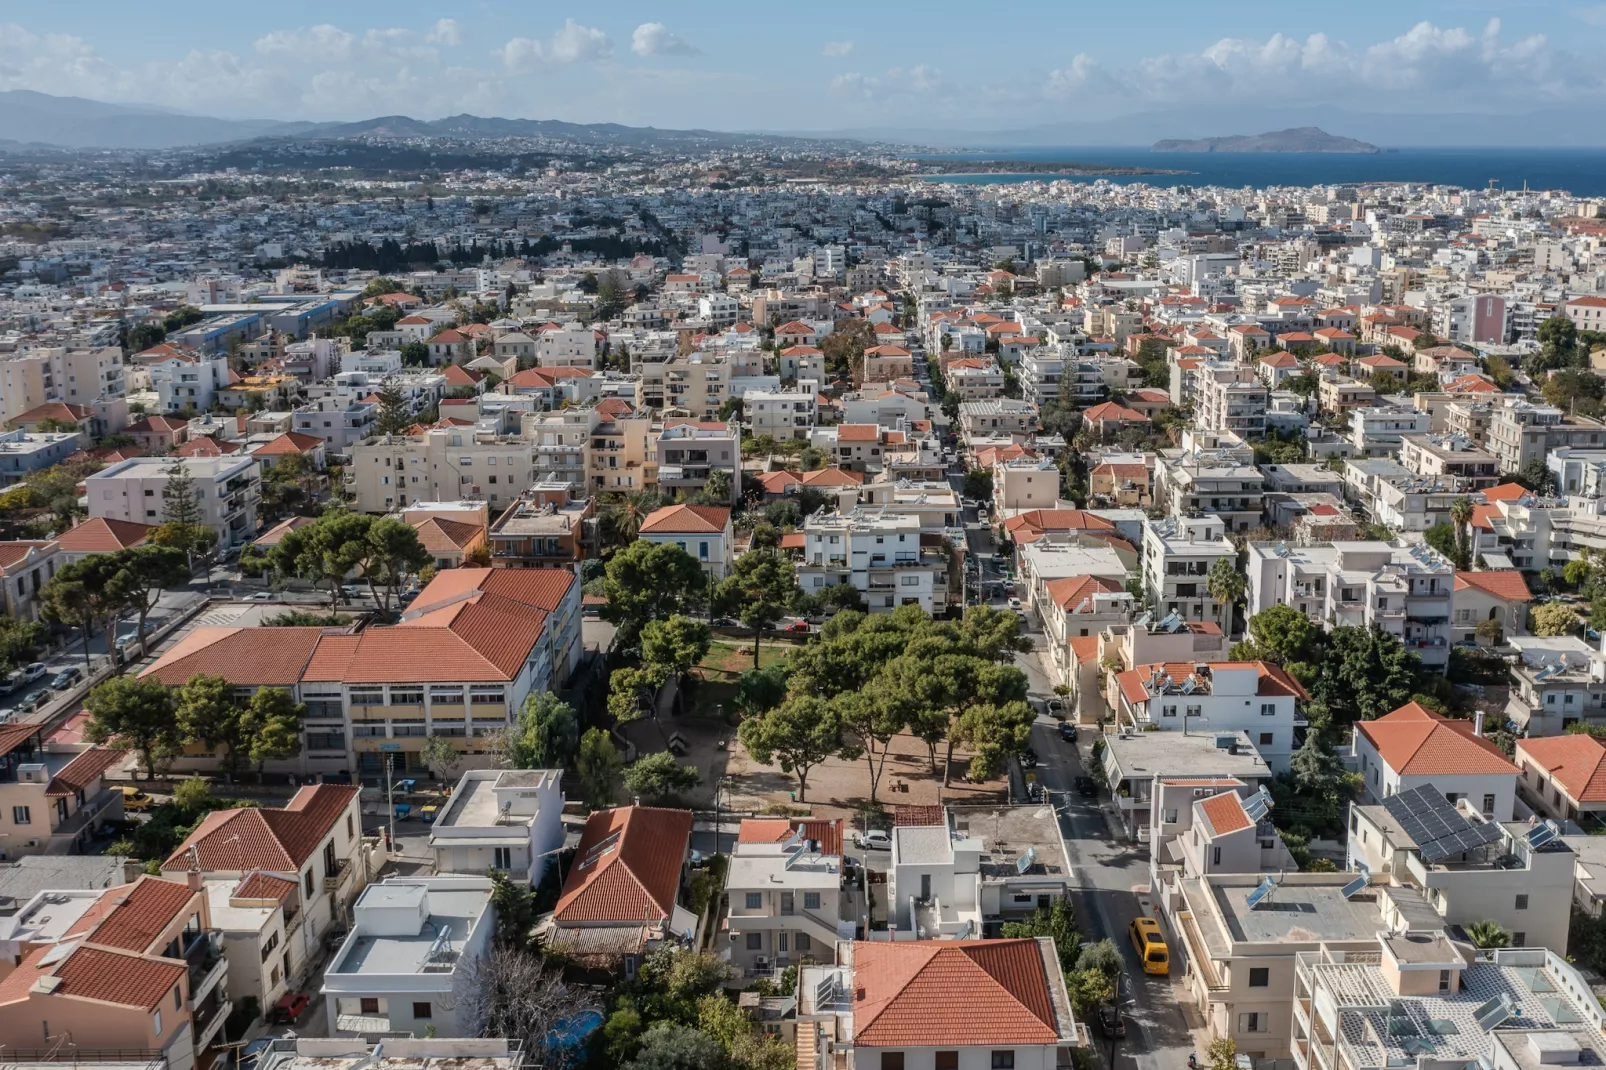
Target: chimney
1477 723
193 879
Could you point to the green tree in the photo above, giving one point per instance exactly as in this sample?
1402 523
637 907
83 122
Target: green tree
272 721
326 551
1058 922
193 796
993 732
1365 673
1221 1055
597 767
658 777
151 570
181 500
395 414
672 646
760 690
208 714
759 590
391 556
798 734
546 734
1282 634
1558 343
623 516
1226 585
1487 935
138 714
648 581
627 687
1461 517
415 354
669 1046
67 601
1553 618
1442 538
19 639
440 753
979 484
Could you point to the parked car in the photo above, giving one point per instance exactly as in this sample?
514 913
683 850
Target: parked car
65 679
135 801
797 626
1028 760
289 1008
1056 708
1086 788
874 840
724 622
1014 603
262 596
32 672
7 715
1068 731
1111 1022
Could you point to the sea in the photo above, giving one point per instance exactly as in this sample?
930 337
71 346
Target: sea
1581 172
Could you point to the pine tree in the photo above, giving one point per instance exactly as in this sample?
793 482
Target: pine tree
179 504
395 415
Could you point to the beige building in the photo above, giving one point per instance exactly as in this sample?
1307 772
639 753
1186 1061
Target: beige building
1025 483
695 385
77 376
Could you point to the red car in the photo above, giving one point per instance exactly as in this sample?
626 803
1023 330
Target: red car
797 626
289 1008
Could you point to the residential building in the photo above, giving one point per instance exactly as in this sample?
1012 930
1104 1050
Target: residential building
973 379
1499 595
883 553
781 414
227 489
1558 683
543 528
688 453
1231 400
340 422
1178 552
1253 697
98 536
695 386
26 566
22 452
1213 483
408 958
1564 777
560 445
1018 1012
1135 762
56 801
997 418
786 894
1375 431
1521 433
1413 746
703 531
1078 607
509 820
621 898
1024 483
1451 460
1405 589
451 464
139 968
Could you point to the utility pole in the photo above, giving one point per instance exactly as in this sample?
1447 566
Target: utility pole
390 801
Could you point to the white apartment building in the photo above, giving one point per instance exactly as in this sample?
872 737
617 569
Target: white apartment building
974 379
997 418
341 424
75 375
509 820
1405 589
884 554
1252 697
695 385
1212 483
781 414
686 452
1041 370
1231 399
1451 460
1375 430
572 345
444 464
188 380
1178 552
227 489
1520 432
785 894
1022 483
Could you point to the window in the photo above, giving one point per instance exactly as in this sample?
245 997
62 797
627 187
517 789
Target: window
1488 804
1253 1022
1259 976
755 941
369 1005
1003 1060
178 999
156 1023
1522 902
947 1060
502 858
307 882
1268 709
1519 938
1170 816
755 900
423 1010
804 942
892 1060
1168 711
1444 980
1266 738
811 900
20 815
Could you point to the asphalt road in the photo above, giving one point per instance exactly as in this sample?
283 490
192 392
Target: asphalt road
1111 878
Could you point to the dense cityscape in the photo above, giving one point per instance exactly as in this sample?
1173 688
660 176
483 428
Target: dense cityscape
752 602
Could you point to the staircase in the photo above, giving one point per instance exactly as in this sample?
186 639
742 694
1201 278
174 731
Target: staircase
807 1046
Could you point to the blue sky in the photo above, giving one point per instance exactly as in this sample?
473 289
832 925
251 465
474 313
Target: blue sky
810 66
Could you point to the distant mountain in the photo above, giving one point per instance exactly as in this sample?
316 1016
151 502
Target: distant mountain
1294 139
75 122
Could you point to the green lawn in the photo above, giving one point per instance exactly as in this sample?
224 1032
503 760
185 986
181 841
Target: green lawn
721 668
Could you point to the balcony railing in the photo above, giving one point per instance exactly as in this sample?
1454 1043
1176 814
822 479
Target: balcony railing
334 880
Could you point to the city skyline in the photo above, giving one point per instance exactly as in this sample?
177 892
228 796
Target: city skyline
830 68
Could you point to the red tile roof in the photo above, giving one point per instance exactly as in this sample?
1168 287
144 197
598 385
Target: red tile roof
626 867
289 442
1069 592
133 918
1415 741
238 841
83 771
828 832
264 657
911 991
1225 813
99 535
100 974
1577 762
445 536
1506 492
686 519
1504 583
264 887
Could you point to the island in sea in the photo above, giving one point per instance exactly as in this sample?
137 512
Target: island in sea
1297 139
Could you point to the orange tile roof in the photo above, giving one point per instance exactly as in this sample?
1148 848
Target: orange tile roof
833 477
289 442
1577 762
1506 583
634 875
858 433
136 916
686 519
1110 412
100 974
265 657
53 410
1506 492
1415 741
1069 592
100 535
83 771
1085 647
278 840
1057 520
264 886
445 536
1225 812
912 989
828 832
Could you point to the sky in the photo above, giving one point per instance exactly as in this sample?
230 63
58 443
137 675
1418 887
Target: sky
814 66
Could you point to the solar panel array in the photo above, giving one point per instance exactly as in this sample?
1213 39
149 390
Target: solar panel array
1262 890
1540 835
1439 829
1257 804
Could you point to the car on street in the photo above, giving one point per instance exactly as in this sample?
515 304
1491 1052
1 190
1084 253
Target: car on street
289 1008
1028 759
7 715
1014 603
34 671
1149 943
1086 788
1056 708
262 596
1068 731
135 801
874 840
723 622
797 626
65 679
1111 1022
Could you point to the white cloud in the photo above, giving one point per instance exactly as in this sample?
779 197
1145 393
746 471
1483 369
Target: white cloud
445 32
521 54
322 42
837 49
654 39
898 82
574 43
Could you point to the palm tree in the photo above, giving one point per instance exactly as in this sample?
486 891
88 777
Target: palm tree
622 519
1486 935
1461 517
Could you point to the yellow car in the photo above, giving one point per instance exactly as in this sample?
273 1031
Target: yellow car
135 801
1150 946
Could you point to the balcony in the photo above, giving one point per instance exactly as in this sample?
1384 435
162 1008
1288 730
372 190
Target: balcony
333 881
207 966
209 1021
362 1023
